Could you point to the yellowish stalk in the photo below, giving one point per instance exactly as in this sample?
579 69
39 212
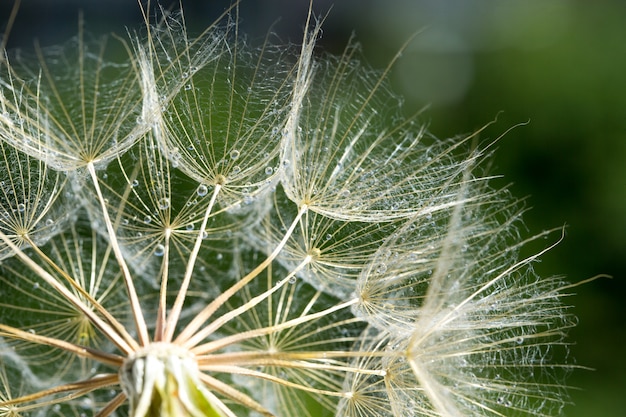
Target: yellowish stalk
208 311
174 315
142 328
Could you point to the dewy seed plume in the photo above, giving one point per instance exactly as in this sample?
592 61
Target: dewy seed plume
204 227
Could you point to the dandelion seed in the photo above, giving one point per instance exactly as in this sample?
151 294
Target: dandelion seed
237 86
29 192
71 112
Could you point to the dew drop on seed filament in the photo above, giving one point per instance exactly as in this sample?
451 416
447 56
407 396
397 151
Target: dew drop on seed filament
21 207
135 183
147 219
159 250
202 190
269 170
234 154
164 203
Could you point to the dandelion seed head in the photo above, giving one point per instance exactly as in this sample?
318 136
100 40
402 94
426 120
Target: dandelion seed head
211 228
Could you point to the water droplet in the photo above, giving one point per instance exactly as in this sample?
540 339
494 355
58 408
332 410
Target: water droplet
292 280
202 190
147 220
269 170
234 154
21 207
159 250
49 222
381 268
134 184
164 203
190 226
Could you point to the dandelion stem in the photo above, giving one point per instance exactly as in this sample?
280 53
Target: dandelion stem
112 405
297 360
228 391
229 340
86 352
105 313
160 320
80 388
433 391
206 313
247 358
235 370
172 319
454 238
140 323
216 324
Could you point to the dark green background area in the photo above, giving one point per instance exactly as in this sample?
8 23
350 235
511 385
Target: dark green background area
558 65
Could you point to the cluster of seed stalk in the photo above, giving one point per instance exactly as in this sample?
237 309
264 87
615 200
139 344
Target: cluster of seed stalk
201 227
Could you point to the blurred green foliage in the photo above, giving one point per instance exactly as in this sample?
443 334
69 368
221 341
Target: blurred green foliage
558 64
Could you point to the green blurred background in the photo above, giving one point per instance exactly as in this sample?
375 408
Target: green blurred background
558 64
